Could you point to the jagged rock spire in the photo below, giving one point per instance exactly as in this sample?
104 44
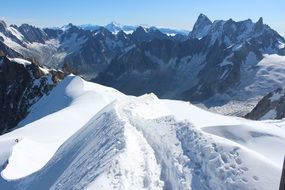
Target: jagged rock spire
203 19
201 26
259 25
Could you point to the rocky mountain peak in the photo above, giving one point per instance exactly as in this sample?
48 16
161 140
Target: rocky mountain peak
71 28
203 20
27 27
32 33
232 33
260 21
114 26
147 34
259 26
140 29
201 27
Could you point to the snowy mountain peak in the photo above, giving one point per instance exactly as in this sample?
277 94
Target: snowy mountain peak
68 27
114 24
114 27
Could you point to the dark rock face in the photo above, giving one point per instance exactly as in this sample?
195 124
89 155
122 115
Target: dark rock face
33 34
8 51
271 106
21 86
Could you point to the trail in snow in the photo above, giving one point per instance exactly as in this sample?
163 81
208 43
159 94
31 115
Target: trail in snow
192 159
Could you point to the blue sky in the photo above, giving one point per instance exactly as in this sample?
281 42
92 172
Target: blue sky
169 13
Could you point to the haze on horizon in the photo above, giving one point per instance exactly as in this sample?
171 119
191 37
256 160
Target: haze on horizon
180 14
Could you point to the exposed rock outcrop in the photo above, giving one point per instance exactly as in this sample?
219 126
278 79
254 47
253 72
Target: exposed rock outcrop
271 106
22 83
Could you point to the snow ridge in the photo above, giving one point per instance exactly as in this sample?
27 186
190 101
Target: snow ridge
140 143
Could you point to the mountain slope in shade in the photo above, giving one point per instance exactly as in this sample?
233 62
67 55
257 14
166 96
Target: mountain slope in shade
94 137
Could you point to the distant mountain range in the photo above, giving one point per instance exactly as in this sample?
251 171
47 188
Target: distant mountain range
115 28
89 50
227 66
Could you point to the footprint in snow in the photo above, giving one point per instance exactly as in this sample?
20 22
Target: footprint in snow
244 180
238 161
244 168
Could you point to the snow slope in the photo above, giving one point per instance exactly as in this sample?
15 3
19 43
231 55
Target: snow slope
87 136
68 105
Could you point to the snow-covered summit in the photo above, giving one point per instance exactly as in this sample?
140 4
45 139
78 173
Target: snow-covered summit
87 136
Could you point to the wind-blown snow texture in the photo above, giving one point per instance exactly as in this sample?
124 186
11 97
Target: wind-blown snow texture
87 136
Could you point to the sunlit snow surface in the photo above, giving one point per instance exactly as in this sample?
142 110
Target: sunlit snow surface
87 136
256 81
